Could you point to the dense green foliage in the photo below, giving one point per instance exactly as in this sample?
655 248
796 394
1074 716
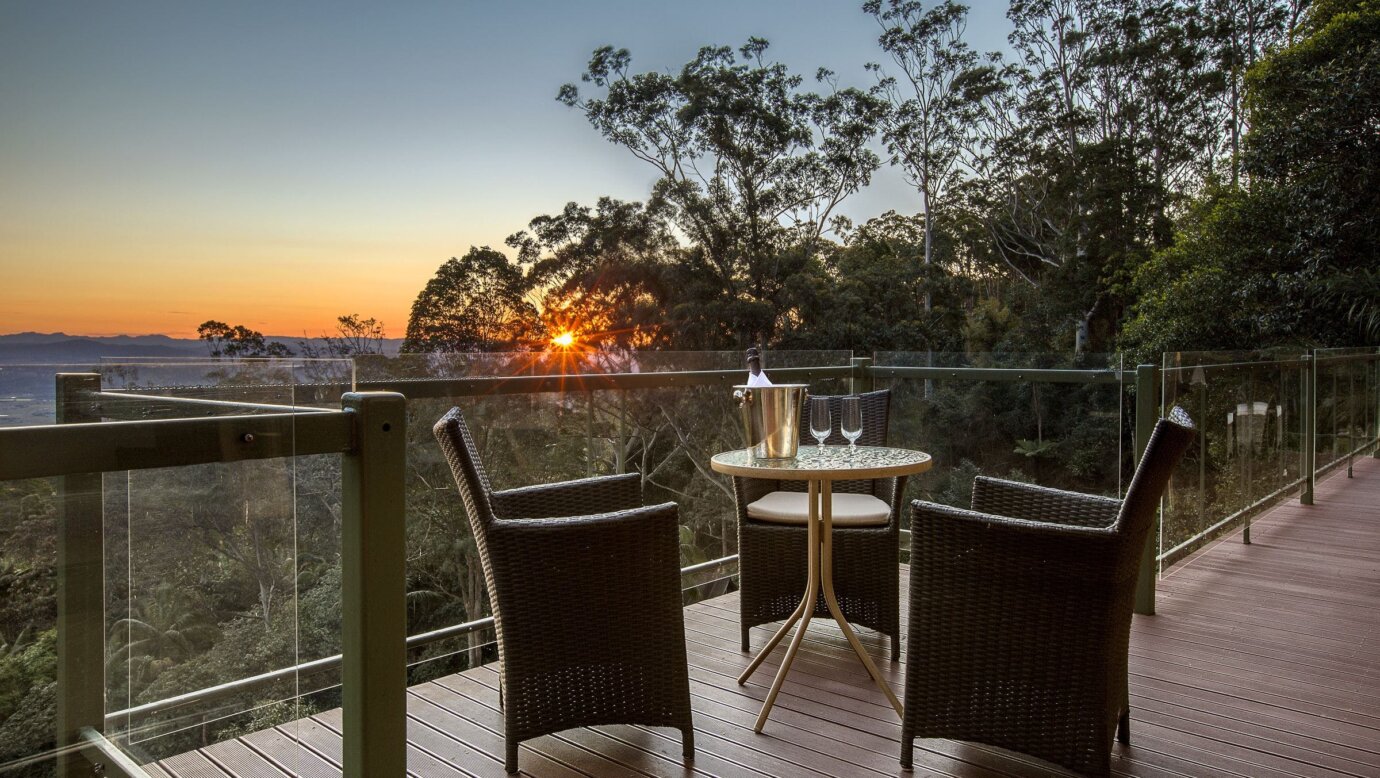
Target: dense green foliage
1290 257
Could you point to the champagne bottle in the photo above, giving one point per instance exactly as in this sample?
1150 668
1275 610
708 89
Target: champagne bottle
756 377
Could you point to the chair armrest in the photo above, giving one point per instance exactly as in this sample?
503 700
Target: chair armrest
1041 504
993 546
602 494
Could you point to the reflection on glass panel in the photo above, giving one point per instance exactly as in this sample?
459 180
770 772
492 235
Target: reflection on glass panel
1346 404
1248 408
1069 430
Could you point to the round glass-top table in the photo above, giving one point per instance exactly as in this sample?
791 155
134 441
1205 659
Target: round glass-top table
820 467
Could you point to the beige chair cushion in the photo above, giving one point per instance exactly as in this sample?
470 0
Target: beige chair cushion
849 510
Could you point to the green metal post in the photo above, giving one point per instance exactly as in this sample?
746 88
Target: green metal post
1147 413
1350 419
1373 400
1310 426
1250 451
80 588
589 433
621 455
861 380
373 599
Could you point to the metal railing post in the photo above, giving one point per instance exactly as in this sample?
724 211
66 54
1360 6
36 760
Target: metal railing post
80 588
861 379
1373 400
1350 420
373 598
1147 413
1250 452
1308 442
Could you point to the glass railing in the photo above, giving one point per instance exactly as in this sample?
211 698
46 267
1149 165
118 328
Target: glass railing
220 576
1052 419
1249 411
1346 387
1269 423
176 579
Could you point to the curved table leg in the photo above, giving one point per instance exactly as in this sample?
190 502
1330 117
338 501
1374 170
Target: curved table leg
771 644
827 567
806 610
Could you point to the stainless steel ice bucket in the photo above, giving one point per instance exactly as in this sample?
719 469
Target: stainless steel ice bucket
771 418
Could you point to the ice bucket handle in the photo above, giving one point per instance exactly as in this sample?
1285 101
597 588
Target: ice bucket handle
744 398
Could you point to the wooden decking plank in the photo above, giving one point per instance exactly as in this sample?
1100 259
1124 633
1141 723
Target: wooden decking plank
192 764
471 737
575 749
661 745
718 741
1352 737
540 756
240 760
289 755
1256 736
327 739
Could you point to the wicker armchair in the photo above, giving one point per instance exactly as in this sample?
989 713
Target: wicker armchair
584 583
772 559
1020 613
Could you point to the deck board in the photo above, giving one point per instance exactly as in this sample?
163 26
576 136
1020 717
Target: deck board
1263 662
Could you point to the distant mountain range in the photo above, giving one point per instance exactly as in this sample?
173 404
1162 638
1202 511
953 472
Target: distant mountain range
48 348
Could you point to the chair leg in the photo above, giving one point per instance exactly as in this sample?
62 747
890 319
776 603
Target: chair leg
687 743
746 646
896 648
510 763
907 752
1123 727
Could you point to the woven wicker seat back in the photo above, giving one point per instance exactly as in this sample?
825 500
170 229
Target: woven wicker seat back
584 585
1020 613
772 557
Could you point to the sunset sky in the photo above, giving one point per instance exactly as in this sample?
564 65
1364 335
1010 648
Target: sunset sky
277 164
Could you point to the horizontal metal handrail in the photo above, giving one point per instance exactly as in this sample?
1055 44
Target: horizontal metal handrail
48 450
332 662
480 386
1289 362
138 406
1044 375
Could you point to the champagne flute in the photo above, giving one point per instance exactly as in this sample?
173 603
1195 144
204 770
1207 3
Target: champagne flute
820 425
850 421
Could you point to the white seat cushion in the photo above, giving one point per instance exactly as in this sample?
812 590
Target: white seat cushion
849 510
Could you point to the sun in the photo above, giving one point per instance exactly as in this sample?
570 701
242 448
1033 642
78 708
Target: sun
564 340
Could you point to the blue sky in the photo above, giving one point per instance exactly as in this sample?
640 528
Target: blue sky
278 164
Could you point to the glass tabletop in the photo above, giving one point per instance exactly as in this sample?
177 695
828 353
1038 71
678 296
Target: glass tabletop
827 462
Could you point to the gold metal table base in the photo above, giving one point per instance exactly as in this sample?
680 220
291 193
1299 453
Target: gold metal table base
820 532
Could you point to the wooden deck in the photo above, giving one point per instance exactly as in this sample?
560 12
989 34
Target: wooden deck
1264 662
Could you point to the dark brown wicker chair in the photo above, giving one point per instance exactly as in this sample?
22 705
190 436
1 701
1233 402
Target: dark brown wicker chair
1020 613
772 557
584 583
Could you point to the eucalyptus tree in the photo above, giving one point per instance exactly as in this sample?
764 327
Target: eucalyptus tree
753 166
1244 31
931 129
1109 125
477 302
